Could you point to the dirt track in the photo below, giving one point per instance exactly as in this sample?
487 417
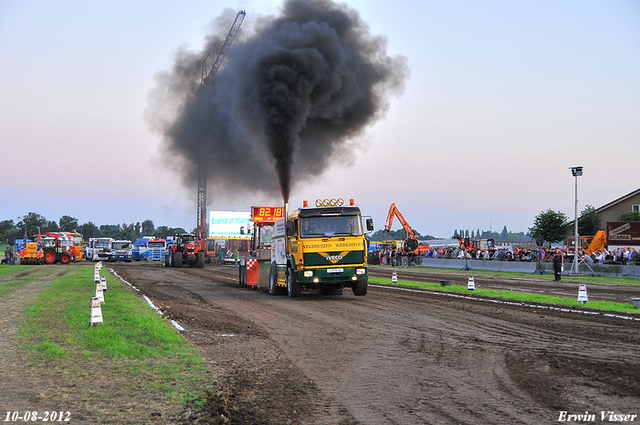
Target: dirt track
393 357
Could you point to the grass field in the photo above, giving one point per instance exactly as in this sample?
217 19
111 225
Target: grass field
135 354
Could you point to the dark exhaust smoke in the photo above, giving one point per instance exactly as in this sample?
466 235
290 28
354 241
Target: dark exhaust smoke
295 92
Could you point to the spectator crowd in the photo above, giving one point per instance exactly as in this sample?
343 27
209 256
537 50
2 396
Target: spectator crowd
397 257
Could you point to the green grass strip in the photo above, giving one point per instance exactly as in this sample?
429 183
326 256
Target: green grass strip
135 348
548 275
514 295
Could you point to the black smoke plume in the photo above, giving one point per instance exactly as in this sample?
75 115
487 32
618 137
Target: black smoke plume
295 92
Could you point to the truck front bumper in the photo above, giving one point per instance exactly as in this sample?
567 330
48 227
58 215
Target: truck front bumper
332 275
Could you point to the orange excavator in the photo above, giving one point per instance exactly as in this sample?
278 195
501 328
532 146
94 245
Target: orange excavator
411 244
598 242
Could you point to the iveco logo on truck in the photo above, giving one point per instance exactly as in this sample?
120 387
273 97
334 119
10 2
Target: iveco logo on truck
333 257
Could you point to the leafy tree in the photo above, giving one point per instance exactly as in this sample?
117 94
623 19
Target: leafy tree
504 234
89 230
164 231
7 231
551 225
400 234
589 221
148 228
68 224
31 222
629 216
111 231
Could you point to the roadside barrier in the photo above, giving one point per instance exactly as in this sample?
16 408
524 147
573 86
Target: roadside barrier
98 300
394 278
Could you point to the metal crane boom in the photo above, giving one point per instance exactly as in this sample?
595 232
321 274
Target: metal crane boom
411 243
223 50
201 201
393 210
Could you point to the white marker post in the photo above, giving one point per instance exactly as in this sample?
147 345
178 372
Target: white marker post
471 286
99 293
582 294
96 311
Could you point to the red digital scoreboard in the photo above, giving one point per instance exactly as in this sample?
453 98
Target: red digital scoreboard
266 215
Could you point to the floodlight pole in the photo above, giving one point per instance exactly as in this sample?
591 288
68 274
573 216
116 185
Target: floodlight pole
576 171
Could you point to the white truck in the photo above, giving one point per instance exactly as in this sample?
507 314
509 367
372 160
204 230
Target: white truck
99 249
121 250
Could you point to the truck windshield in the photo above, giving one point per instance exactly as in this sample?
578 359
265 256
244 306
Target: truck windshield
121 245
328 226
156 244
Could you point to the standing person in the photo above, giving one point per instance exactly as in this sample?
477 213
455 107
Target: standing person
634 256
558 264
236 256
8 255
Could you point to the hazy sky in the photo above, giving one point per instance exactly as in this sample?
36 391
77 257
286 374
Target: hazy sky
502 98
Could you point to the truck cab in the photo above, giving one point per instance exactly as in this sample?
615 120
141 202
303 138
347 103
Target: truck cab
121 250
156 249
321 247
99 249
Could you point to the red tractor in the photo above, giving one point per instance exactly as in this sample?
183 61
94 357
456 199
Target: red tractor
54 251
186 250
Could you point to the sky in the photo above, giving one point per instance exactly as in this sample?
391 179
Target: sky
501 99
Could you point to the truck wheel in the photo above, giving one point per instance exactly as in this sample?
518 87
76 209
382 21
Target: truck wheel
360 287
49 257
65 258
177 259
273 279
200 260
294 289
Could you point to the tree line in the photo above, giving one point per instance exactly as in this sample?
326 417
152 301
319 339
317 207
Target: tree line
553 226
505 235
32 222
